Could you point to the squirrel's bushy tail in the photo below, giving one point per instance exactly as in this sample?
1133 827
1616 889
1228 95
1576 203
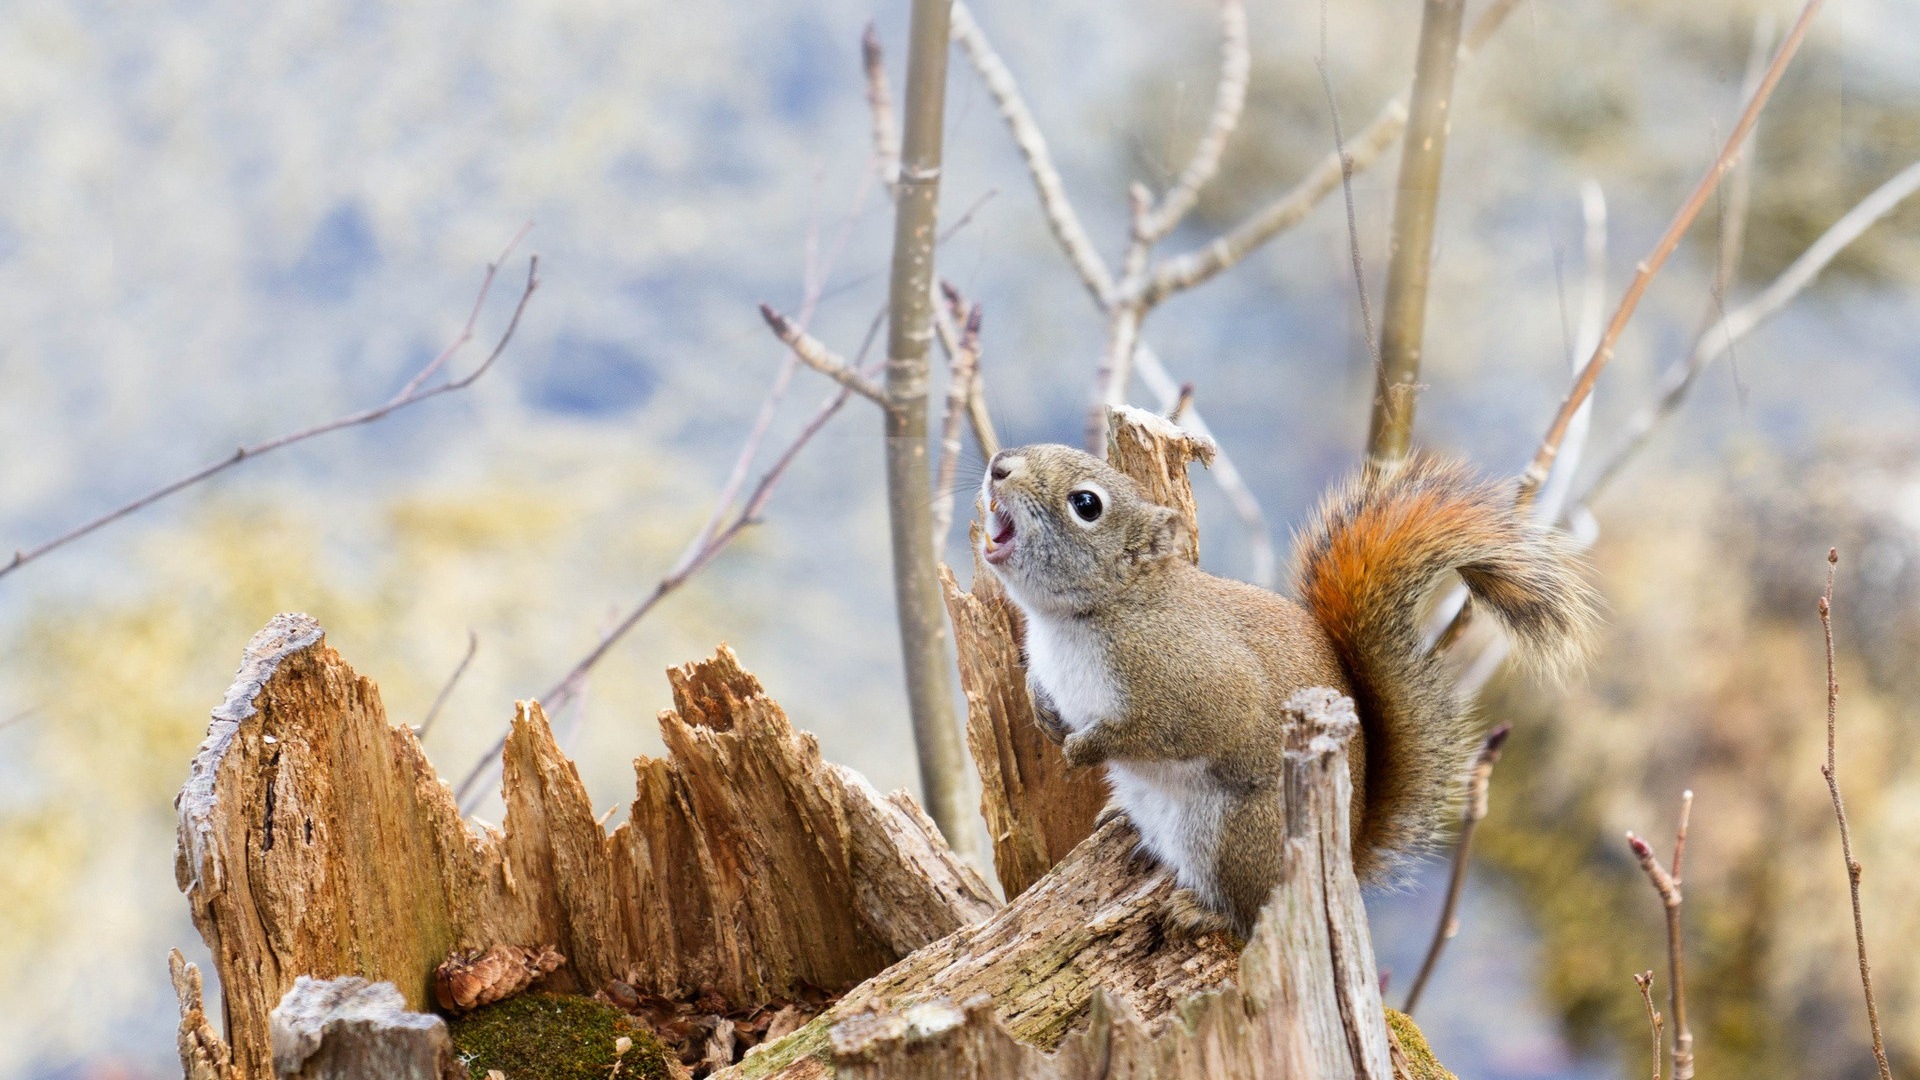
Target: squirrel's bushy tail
1377 547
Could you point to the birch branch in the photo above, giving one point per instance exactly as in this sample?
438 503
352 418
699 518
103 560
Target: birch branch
1403 313
414 392
916 586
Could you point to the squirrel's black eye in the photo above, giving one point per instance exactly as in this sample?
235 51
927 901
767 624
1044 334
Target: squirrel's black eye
1085 504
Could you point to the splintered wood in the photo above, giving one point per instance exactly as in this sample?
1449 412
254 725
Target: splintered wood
1078 978
316 840
1037 807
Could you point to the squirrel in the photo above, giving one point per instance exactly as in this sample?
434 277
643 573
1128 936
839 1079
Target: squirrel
1175 679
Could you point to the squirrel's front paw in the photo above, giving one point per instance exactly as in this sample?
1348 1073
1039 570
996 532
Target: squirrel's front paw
1184 915
1082 749
1050 725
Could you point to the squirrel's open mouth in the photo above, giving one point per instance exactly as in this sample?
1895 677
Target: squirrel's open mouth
998 547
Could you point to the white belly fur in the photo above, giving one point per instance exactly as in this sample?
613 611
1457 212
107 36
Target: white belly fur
1176 807
1069 661
1179 811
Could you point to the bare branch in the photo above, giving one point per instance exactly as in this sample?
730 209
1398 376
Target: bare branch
414 392
1536 473
1123 326
1224 472
1472 813
1229 99
1061 217
962 368
921 611
446 690
1353 221
1185 271
1645 982
886 144
705 546
1667 884
820 358
1854 869
1679 378
1416 200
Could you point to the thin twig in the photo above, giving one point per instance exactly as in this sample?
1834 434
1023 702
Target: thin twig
1124 315
446 689
1679 378
1181 404
1737 201
722 523
1186 271
1229 99
961 369
1353 221
886 140
820 358
1183 272
1645 982
1061 216
1471 814
1536 473
1667 884
1416 200
1854 869
414 392
692 560
1223 471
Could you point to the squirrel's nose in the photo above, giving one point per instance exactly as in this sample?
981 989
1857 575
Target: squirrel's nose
1000 471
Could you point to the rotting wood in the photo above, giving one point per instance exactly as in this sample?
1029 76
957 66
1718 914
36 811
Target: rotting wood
1037 807
316 840
203 1054
1076 977
351 1029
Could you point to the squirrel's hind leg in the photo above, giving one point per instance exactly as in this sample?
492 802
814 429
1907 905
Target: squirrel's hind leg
1186 915
1247 862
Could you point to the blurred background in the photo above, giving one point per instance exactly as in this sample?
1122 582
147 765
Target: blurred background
224 221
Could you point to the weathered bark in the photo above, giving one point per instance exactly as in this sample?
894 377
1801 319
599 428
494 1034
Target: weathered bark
351 1029
315 839
1078 978
1155 453
203 1054
1037 807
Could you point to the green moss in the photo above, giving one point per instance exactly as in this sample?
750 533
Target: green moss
553 1037
1421 1064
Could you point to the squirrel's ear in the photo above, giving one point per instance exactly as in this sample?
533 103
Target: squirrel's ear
1165 534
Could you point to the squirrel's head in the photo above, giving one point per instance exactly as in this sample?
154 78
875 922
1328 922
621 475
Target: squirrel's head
1065 531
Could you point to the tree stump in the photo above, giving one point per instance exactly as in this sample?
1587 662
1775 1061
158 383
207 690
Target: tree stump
315 840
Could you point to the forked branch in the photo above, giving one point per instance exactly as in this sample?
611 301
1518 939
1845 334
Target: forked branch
1667 884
